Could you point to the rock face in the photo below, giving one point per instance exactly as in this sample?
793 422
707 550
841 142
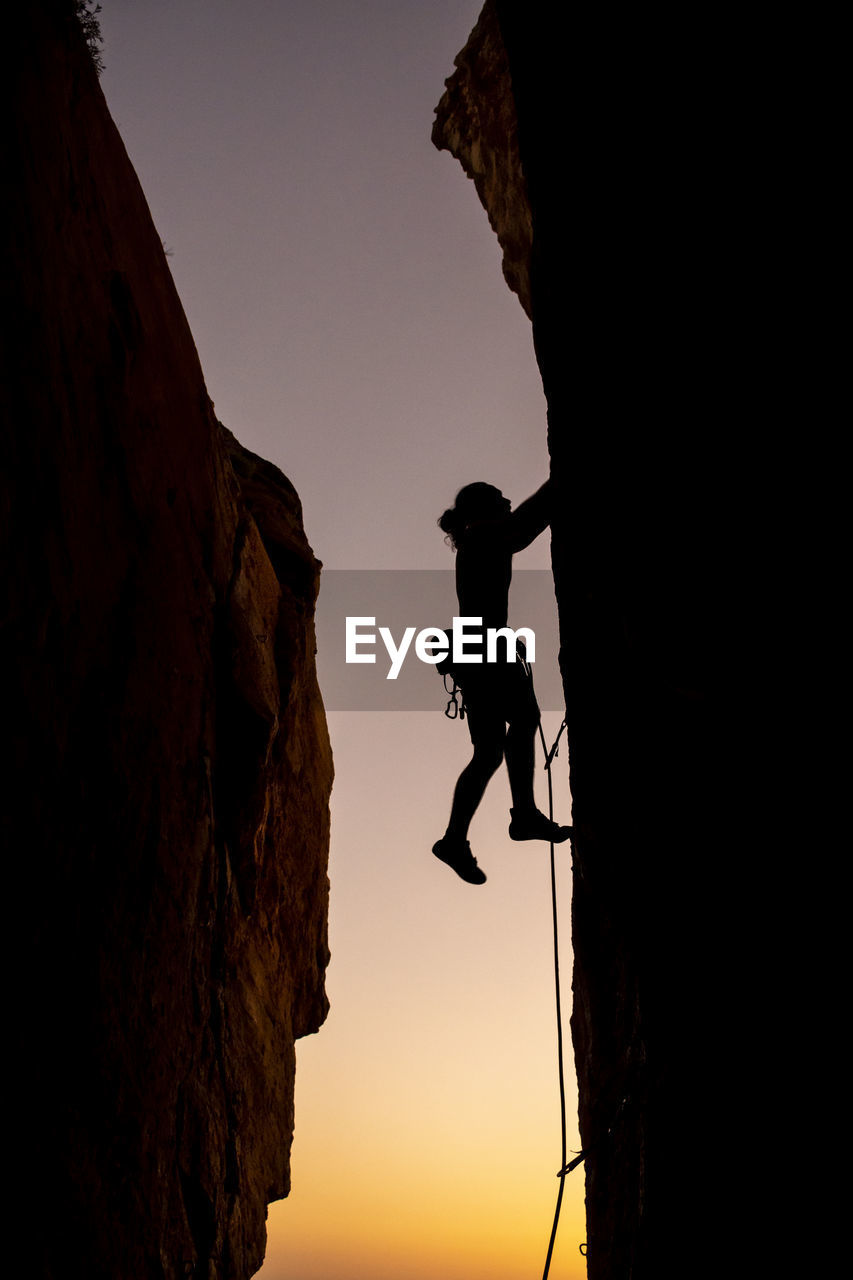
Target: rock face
165 815
477 123
640 286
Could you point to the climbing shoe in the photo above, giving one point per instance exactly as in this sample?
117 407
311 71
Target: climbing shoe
457 854
535 826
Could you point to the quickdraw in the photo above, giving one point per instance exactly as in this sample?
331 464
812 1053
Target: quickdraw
456 705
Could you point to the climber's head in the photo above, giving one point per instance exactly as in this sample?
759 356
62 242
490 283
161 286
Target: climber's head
475 502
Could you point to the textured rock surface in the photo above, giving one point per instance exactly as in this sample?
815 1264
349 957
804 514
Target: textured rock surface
476 122
165 814
641 291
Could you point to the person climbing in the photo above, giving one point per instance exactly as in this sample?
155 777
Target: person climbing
485 532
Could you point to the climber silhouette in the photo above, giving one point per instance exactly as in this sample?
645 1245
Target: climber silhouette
485 532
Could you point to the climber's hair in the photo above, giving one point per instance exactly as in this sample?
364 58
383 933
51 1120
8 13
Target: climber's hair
472 501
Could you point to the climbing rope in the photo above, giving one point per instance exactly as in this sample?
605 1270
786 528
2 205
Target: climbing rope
452 711
564 1168
548 759
581 1155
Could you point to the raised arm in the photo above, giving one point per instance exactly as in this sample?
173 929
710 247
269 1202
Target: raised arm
530 518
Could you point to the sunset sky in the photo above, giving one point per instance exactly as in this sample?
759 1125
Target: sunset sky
346 297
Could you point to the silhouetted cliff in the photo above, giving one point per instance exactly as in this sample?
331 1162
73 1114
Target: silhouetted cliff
623 160
165 812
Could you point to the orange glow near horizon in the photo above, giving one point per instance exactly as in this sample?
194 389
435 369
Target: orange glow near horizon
427 1109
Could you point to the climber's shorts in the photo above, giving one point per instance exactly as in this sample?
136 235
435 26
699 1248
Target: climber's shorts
495 696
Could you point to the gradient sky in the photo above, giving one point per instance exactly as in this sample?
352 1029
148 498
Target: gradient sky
346 297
